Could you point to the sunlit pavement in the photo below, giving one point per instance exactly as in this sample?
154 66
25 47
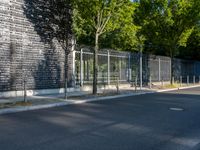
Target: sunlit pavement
164 121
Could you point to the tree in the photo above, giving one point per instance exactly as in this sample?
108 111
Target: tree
192 50
124 38
167 23
95 18
52 19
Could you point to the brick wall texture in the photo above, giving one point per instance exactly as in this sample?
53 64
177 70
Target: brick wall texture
23 57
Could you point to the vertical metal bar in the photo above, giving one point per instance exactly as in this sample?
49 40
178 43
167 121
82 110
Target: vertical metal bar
120 69
73 61
129 68
74 68
159 70
81 68
84 69
88 72
108 71
194 80
188 80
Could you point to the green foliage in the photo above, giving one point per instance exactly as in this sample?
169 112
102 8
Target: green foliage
165 27
166 23
110 19
192 50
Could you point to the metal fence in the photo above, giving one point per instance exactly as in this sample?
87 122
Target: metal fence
112 66
124 67
156 67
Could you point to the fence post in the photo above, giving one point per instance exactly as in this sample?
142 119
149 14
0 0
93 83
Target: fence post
172 80
159 70
194 80
88 71
129 68
188 80
103 81
108 69
74 53
81 68
120 69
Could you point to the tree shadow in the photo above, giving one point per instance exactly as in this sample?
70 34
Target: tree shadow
51 20
49 71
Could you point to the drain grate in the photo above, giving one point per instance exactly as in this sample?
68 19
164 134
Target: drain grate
176 109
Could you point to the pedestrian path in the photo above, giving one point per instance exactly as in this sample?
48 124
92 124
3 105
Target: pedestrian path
11 105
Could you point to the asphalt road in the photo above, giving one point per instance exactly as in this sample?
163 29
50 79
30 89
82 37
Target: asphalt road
133 123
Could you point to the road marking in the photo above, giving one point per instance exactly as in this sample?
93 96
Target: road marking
176 109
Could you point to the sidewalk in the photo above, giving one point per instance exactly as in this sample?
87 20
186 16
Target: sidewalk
11 105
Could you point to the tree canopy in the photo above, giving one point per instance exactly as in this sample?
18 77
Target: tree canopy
110 19
167 24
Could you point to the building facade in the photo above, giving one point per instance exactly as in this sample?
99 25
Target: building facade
24 59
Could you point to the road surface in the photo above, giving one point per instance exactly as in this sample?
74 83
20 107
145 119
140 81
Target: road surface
145 122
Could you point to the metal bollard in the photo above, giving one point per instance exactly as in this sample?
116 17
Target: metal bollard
181 80
194 80
150 82
117 86
25 92
162 82
136 83
173 80
188 80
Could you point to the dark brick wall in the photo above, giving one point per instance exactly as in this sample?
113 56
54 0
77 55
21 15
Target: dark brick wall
24 56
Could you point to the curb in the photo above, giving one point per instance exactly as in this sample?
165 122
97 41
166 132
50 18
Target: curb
72 102
67 102
180 88
28 108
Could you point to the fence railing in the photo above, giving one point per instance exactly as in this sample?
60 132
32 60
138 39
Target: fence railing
111 65
125 67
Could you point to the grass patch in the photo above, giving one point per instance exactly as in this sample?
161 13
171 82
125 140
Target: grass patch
169 86
15 104
23 104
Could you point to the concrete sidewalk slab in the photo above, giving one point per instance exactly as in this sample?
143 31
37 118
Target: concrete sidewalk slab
71 101
179 88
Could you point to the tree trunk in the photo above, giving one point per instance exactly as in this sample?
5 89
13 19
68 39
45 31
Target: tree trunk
95 65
